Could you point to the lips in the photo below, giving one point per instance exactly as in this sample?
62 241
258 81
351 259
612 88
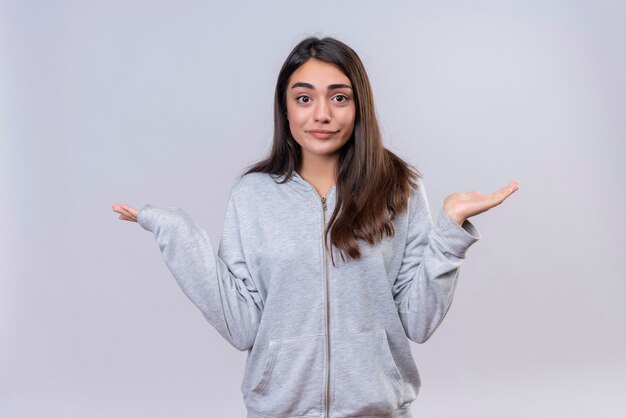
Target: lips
322 133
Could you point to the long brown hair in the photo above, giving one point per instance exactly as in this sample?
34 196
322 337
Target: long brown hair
373 184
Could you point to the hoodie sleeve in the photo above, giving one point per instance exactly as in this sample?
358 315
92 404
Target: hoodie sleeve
219 285
433 254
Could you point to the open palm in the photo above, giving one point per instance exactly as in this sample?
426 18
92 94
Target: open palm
460 206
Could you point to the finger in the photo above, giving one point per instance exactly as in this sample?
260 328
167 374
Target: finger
509 188
117 207
499 195
133 211
128 211
129 208
123 210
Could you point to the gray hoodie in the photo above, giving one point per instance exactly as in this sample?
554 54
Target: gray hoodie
322 340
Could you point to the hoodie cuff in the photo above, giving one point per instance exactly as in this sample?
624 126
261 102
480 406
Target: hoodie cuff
146 217
456 238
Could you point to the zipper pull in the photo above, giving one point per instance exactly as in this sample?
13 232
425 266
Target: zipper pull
324 203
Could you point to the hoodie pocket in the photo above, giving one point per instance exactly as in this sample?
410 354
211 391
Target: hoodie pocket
292 380
367 381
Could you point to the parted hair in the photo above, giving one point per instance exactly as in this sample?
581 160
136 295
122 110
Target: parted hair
373 184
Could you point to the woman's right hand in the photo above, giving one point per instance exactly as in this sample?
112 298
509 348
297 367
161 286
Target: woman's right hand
127 213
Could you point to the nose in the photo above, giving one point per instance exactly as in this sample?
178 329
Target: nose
322 112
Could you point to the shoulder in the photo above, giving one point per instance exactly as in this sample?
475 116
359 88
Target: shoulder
418 201
250 186
250 181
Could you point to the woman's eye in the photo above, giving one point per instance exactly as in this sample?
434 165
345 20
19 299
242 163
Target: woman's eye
303 99
341 98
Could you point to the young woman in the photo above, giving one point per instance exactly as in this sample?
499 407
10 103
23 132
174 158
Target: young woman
329 261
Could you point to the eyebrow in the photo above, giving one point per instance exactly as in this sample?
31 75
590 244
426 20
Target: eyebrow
330 86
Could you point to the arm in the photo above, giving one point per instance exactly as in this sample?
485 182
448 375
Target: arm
425 285
219 285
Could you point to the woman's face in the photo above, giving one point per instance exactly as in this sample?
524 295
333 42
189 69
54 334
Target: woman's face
320 109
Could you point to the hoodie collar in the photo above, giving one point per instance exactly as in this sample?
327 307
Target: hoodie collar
304 186
297 178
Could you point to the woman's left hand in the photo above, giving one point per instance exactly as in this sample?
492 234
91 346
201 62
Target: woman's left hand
460 206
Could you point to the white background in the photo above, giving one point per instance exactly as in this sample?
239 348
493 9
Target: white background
165 102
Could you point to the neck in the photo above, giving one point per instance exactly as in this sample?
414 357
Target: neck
320 169
320 172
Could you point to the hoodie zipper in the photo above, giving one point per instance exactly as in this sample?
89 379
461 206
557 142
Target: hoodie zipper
327 310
